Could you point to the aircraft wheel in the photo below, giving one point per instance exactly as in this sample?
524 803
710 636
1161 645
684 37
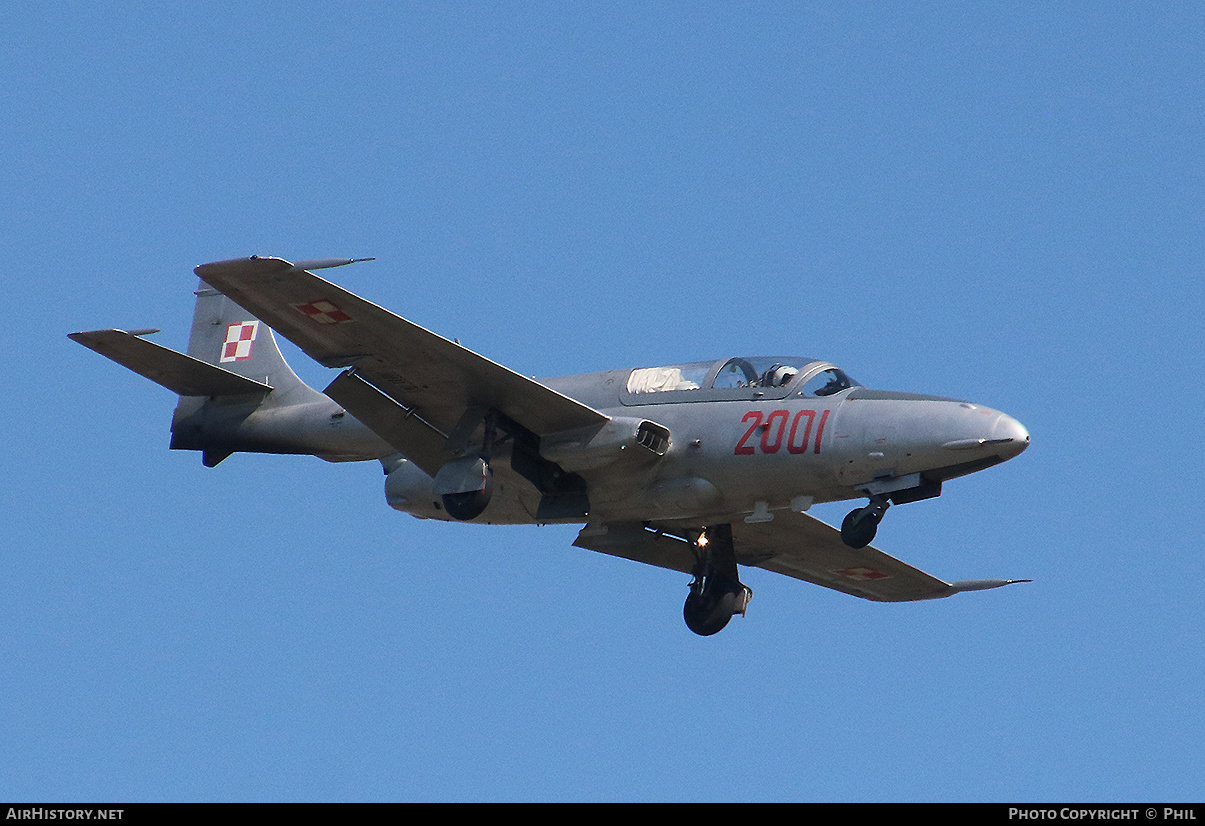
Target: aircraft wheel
708 611
859 528
471 504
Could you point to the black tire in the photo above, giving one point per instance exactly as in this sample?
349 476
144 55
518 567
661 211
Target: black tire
708 613
859 528
470 505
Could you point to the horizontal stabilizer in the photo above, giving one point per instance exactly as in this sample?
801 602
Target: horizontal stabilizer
183 375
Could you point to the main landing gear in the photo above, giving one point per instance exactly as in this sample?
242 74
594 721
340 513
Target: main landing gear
716 593
861 524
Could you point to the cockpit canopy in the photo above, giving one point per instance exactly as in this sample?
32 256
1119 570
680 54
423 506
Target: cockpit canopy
736 378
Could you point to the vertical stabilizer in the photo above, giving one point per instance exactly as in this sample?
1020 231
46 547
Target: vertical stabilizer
225 334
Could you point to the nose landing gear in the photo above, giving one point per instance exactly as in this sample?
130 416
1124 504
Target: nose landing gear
861 524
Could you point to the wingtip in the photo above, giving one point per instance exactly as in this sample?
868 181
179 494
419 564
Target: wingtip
983 584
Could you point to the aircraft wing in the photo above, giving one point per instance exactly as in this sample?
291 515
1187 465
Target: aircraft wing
803 547
428 376
794 544
631 540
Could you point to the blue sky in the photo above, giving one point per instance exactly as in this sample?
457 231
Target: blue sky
996 201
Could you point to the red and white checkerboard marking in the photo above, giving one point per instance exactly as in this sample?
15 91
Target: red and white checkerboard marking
324 312
239 340
863 574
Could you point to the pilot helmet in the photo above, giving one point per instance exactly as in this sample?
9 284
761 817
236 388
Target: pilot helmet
781 374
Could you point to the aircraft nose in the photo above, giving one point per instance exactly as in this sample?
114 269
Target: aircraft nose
1010 435
987 432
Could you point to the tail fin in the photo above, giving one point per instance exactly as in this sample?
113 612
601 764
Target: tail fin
226 335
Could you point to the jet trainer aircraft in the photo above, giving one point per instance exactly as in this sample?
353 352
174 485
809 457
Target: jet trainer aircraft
694 467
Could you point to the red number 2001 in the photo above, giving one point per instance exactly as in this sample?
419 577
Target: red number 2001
774 432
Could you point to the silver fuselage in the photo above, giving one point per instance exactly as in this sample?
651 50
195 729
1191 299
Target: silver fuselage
751 454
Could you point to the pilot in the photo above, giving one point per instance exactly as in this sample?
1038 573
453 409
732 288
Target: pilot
778 376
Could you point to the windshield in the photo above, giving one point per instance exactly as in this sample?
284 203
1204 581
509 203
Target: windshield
826 383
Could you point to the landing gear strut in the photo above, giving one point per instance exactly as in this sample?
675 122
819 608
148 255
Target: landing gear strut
467 484
861 524
716 593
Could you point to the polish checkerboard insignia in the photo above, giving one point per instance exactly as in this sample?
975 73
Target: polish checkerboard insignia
324 312
239 340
